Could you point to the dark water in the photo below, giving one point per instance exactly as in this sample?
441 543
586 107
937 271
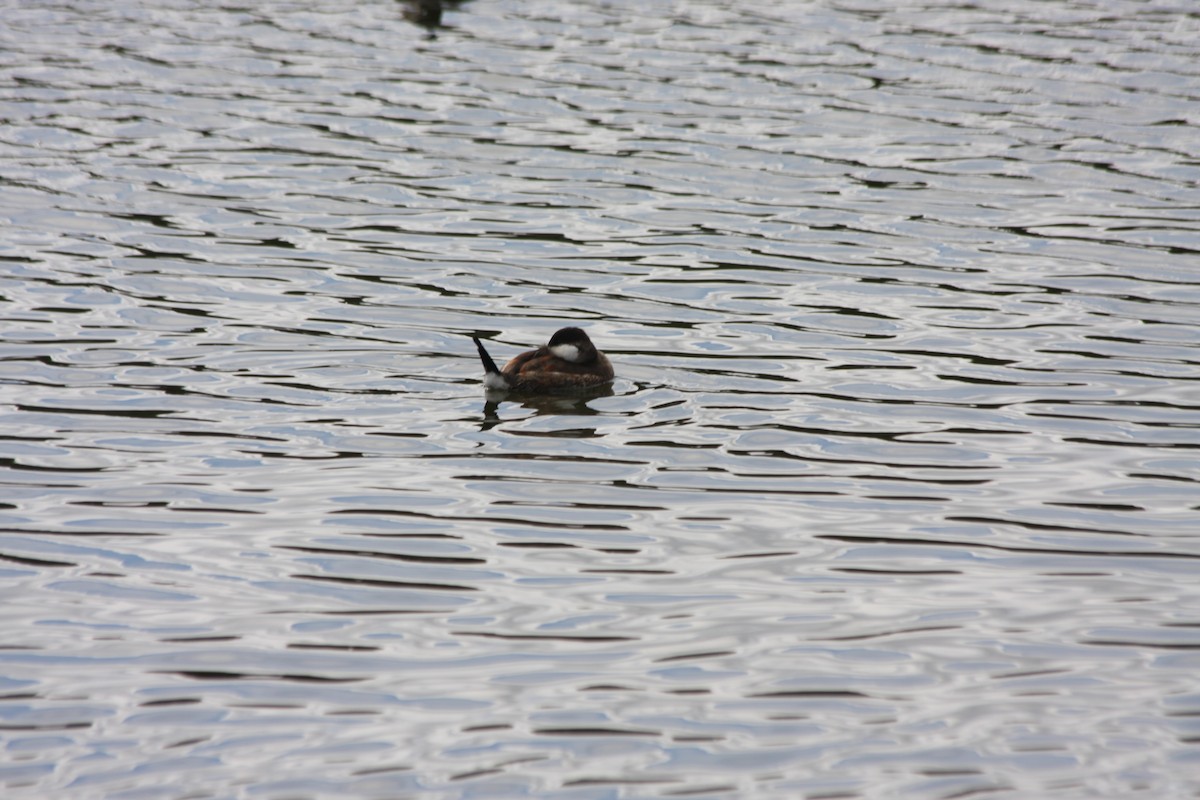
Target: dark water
897 494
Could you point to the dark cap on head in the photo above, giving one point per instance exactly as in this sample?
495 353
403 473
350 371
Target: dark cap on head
571 335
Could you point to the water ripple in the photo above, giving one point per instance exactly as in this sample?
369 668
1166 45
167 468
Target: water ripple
895 492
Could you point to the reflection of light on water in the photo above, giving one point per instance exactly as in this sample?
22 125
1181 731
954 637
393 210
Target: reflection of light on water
896 475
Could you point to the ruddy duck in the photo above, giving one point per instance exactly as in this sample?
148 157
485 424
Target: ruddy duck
568 362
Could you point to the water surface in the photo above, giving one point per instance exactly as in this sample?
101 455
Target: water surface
896 493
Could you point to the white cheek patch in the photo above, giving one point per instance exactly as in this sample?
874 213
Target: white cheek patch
495 381
567 352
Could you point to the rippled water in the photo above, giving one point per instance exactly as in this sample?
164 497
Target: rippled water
897 493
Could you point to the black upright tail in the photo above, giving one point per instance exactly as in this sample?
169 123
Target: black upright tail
489 366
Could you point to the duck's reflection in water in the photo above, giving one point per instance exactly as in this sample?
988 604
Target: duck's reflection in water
573 404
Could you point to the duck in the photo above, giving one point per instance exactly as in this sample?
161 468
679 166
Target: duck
568 362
